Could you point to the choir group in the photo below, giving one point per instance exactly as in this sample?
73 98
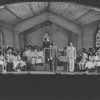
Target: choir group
88 60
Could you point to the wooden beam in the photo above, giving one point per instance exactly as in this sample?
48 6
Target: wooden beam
37 27
80 17
67 24
31 8
5 25
31 22
13 13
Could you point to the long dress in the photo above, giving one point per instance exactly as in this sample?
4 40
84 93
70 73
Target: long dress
91 63
33 58
3 63
40 57
16 61
2 60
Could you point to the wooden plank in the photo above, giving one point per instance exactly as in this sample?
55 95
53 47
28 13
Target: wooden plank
8 17
33 21
18 18
69 25
18 11
61 6
65 7
34 8
5 25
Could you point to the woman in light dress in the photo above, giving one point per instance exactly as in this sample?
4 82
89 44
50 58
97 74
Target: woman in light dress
40 57
3 62
83 60
16 61
9 58
91 63
18 64
97 58
34 55
26 54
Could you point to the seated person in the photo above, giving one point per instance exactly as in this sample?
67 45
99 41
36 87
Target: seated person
26 53
78 59
83 60
3 62
16 61
97 58
27 56
8 58
18 64
91 63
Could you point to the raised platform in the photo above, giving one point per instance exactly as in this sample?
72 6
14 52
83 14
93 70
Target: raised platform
48 73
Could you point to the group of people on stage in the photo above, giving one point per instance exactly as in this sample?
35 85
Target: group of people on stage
12 60
85 60
89 60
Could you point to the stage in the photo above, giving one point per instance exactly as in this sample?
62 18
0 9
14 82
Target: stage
48 73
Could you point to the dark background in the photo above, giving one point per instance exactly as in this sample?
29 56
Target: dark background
95 3
50 87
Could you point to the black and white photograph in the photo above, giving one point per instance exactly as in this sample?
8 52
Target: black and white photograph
50 50
49 38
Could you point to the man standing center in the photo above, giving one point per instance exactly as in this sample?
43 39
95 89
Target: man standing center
71 54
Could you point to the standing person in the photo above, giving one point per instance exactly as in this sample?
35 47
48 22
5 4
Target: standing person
71 55
54 56
65 54
46 44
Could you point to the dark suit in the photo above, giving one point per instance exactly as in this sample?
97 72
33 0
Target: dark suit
46 44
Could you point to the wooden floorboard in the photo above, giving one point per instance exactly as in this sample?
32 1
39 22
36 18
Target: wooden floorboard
49 73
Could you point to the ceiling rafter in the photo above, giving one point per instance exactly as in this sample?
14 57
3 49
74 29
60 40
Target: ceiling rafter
13 13
37 27
84 14
65 9
31 9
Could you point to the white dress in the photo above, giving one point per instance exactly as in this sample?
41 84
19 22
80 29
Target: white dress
9 57
16 61
91 63
26 53
33 58
97 60
40 57
2 60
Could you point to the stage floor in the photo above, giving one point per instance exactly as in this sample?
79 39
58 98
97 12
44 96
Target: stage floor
49 73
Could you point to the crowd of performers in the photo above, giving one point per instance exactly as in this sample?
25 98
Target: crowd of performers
84 60
12 60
